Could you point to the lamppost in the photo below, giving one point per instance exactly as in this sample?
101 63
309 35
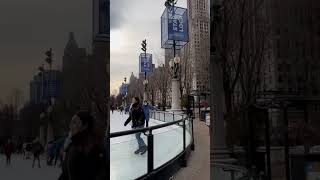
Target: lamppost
49 60
50 128
145 83
42 114
175 75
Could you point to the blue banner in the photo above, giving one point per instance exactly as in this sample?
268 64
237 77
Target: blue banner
174 27
145 63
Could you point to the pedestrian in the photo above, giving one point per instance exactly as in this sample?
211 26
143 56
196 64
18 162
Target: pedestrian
136 115
8 149
37 149
112 109
84 154
58 151
121 109
146 109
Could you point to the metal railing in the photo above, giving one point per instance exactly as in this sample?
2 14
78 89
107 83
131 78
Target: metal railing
182 121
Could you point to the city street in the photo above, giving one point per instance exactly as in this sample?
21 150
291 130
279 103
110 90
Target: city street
22 169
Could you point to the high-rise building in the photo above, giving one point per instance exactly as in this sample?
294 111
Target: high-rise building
75 73
199 44
45 86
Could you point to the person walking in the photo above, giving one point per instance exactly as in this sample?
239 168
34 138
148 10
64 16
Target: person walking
37 149
146 109
84 155
8 150
136 115
59 151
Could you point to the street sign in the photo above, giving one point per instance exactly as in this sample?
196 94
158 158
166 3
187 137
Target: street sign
174 27
145 63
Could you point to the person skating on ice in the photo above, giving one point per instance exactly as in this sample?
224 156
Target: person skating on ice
137 117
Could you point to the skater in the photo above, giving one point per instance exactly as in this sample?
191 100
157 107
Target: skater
8 149
84 157
37 149
121 109
112 109
137 117
58 151
146 109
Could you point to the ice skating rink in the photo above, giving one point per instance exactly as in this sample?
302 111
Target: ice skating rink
125 165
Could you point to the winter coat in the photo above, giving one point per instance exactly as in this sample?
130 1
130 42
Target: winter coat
146 110
136 116
37 149
8 148
84 159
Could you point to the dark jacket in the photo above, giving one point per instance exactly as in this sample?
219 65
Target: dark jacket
136 116
146 110
37 149
84 160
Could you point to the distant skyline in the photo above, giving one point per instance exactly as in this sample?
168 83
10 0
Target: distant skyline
131 22
29 28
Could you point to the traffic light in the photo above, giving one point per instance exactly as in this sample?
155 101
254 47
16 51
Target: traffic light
49 56
144 45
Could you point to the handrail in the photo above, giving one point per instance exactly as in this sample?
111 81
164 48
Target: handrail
133 131
150 140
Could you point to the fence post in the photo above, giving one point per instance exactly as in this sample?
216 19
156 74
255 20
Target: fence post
183 158
150 152
192 145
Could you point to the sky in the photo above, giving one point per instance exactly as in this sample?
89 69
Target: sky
29 28
131 22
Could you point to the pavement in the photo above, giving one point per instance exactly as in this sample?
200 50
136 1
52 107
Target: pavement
22 169
198 165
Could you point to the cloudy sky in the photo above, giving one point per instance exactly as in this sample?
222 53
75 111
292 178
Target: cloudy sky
131 22
29 28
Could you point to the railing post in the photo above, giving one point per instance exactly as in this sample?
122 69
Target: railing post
164 117
184 135
192 144
183 158
150 152
173 116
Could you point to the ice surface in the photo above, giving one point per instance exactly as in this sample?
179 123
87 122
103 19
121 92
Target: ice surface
125 165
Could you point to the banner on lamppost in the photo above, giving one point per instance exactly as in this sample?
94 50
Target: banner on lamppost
123 89
174 27
145 63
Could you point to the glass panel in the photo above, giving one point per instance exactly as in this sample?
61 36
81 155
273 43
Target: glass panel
124 163
168 143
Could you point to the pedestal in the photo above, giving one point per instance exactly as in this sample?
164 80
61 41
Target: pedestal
176 97
219 151
41 134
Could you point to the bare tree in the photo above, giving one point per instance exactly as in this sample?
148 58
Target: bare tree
241 42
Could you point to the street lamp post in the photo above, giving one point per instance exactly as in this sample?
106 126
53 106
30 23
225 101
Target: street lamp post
49 60
42 114
175 69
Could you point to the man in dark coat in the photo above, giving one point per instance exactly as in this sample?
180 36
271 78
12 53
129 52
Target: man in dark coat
137 117
8 149
85 158
146 109
37 149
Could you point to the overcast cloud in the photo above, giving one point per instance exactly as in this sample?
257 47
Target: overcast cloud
29 28
131 22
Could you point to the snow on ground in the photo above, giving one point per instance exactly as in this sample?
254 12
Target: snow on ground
21 169
168 142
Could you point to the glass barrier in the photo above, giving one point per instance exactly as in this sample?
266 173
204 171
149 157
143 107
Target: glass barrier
168 143
125 164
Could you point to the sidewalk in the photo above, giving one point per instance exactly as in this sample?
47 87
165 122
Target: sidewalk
198 165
